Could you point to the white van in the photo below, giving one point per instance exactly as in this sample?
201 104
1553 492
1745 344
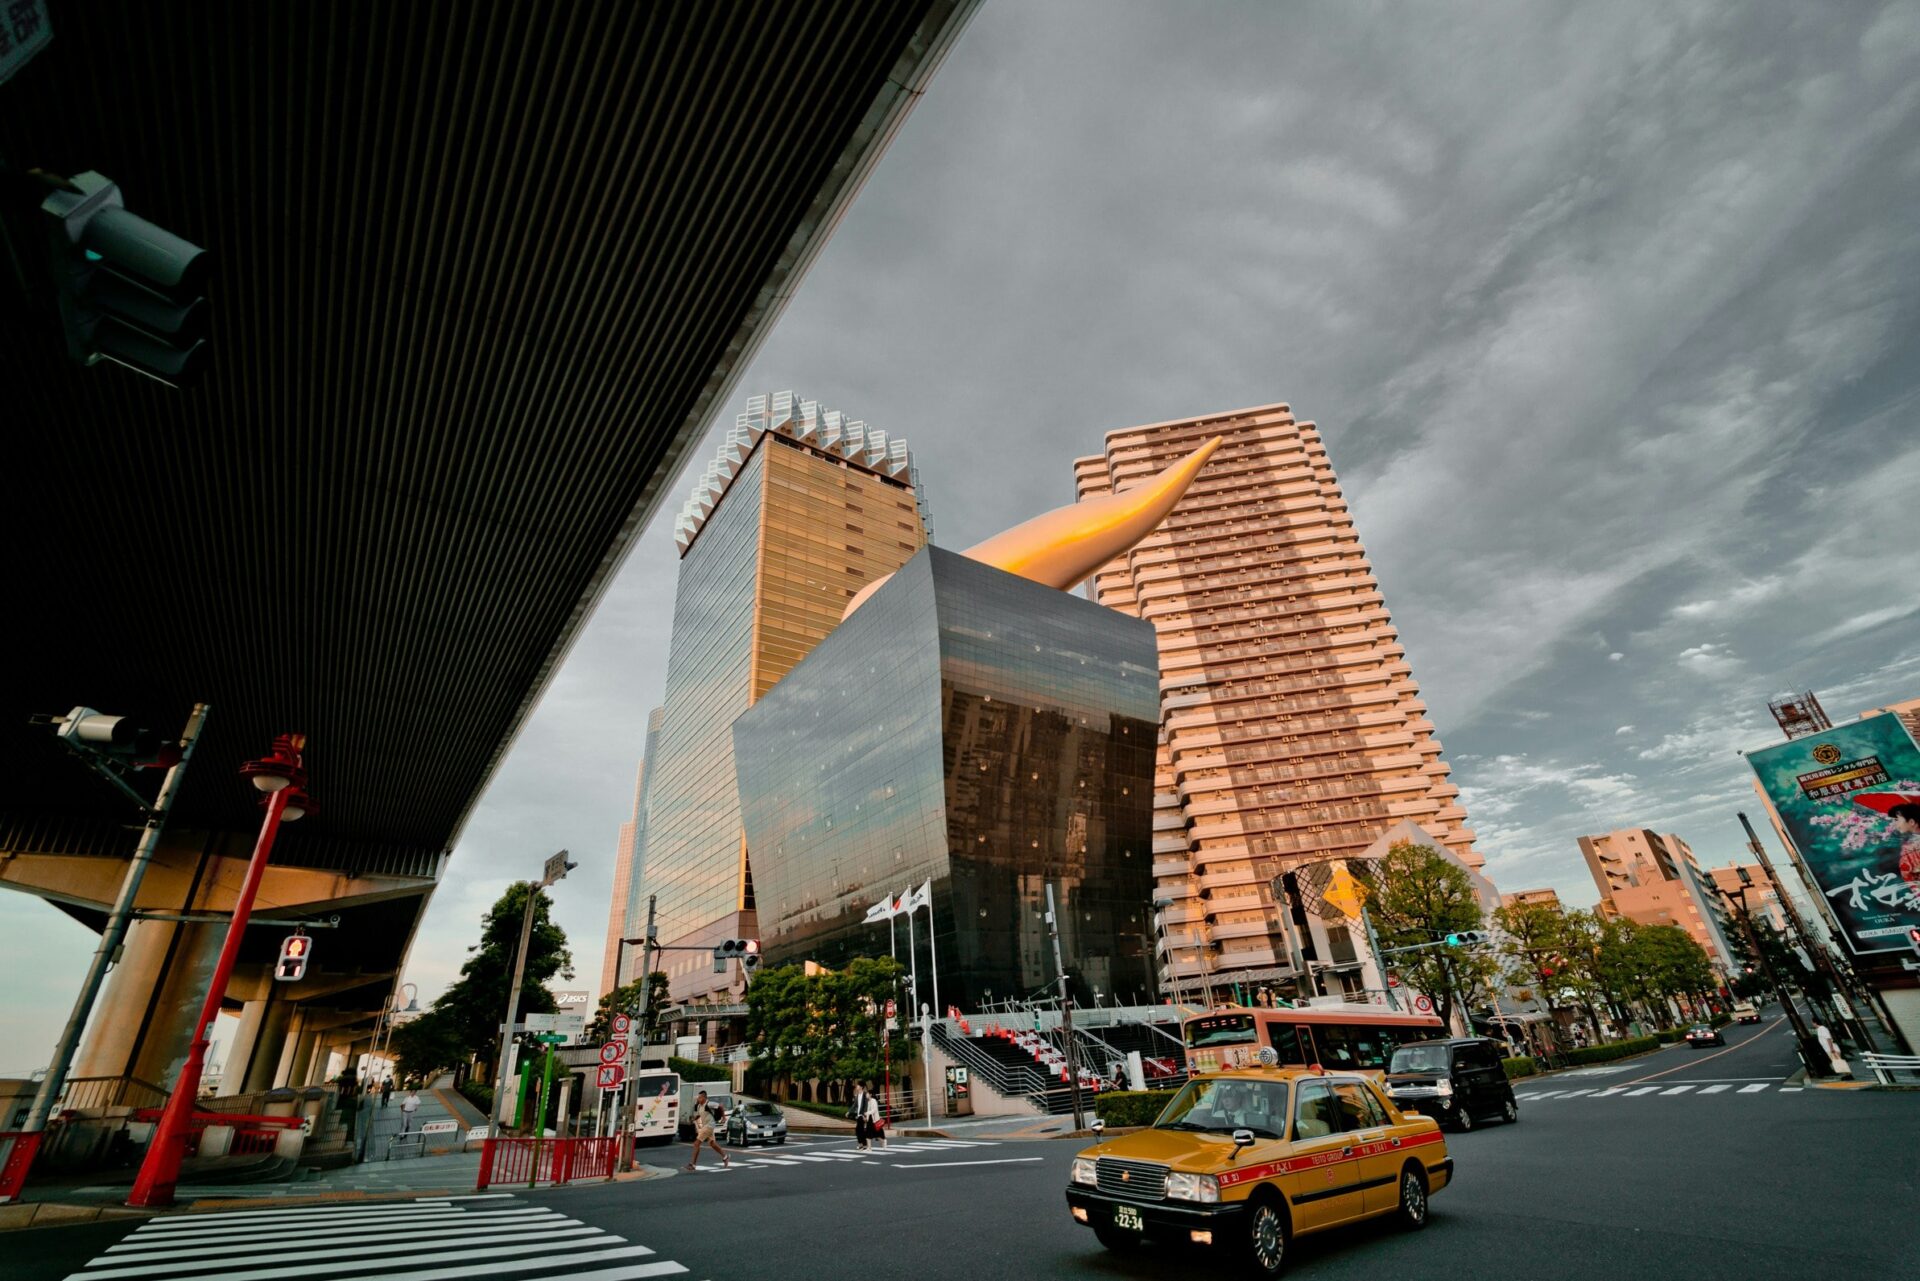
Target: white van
719 1094
656 1097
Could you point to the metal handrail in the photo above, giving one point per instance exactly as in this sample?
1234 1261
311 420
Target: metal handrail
111 1092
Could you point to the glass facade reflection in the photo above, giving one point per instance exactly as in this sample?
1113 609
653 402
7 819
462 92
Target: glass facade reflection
801 510
985 732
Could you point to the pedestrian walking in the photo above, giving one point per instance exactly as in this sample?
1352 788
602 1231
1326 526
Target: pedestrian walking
1836 1062
703 1119
408 1106
386 1090
866 1113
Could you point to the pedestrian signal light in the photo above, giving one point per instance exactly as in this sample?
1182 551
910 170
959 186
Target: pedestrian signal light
295 951
1467 938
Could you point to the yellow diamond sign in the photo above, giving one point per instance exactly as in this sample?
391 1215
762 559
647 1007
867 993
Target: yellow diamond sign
1344 891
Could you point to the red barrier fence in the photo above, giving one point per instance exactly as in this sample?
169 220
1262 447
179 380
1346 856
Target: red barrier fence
252 1135
16 1155
555 1161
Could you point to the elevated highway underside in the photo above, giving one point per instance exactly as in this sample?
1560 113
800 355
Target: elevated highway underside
482 273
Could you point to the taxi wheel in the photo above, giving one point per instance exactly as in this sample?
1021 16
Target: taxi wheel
1268 1236
1413 1199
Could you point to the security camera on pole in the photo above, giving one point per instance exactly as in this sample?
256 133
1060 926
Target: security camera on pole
556 869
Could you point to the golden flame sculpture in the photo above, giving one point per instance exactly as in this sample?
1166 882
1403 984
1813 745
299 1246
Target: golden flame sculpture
1063 547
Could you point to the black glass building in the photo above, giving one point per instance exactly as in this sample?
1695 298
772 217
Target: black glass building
979 730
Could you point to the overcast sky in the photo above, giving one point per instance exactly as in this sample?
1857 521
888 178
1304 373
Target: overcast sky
1609 316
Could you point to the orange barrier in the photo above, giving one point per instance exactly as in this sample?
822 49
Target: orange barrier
554 1161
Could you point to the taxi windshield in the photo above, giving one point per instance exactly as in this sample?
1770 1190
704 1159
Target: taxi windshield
1419 1058
1223 1106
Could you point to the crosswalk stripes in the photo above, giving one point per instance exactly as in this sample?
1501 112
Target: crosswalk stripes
438 1239
846 1155
1664 1089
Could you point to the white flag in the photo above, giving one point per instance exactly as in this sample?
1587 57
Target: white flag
883 910
922 897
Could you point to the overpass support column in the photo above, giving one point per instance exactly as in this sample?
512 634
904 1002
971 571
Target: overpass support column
143 1021
269 1045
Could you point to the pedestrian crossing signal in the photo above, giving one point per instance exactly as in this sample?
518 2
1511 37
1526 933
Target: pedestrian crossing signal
1467 938
295 951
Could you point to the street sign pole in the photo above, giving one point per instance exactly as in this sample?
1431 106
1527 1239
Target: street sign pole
556 868
1379 961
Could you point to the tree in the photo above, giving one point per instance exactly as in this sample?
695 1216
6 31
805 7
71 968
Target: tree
824 1026
626 1000
469 1012
1673 963
426 1046
1422 897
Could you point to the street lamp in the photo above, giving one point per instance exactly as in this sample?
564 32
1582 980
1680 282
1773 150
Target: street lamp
1810 1049
284 775
556 868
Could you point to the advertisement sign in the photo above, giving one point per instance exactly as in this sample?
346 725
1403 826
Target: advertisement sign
1850 799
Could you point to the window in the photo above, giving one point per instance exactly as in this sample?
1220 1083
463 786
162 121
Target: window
1313 1114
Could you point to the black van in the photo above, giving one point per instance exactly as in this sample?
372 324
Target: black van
1456 1082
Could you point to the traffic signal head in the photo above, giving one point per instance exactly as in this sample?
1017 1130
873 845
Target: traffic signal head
295 951
129 291
751 957
1467 938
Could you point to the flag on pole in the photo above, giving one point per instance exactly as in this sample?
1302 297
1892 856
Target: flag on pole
881 911
888 908
922 897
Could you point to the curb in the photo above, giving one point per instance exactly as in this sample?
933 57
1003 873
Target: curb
23 1216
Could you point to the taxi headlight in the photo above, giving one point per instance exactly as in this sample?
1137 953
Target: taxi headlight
1083 1171
1193 1187
1443 1088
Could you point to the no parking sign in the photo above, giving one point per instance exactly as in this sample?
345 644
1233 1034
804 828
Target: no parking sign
1423 1004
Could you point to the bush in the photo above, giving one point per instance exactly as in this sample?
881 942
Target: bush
1668 1035
479 1094
692 1071
1613 1050
1720 1020
1131 1107
1519 1067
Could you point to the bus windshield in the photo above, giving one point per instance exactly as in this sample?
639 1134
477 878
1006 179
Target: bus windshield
1221 1029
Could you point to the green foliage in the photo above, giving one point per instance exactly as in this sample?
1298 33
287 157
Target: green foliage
1519 1067
825 1026
464 1023
1668 1035
691 1070
478 1094
1613 1050
1720 1020
1424 896
427 1045
1131 1107
626 1000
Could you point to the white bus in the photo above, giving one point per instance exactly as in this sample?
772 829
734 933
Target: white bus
656 1097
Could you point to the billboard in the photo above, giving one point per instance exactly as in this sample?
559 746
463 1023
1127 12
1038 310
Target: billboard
1850 798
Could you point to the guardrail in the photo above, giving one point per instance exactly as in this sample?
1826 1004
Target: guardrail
111 1092
1883 1066
252 1135
533 1161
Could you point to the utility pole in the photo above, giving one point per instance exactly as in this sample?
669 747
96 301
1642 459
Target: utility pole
557 867
1066 1016
1817 954
1811 1051
116 928
1380 962
636 1043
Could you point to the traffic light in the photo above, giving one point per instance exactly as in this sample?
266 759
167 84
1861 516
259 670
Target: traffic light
1467 938
295 951
746 951
128 291
752 957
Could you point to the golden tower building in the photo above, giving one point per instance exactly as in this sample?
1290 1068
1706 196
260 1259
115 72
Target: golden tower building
802 507
1291 726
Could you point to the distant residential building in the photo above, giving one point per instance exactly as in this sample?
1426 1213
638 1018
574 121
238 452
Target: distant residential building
1292 730
1534 898
1654 879
801 508
1908 711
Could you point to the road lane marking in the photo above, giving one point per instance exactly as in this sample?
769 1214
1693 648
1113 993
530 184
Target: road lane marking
1574 1094
948 1165
531 1216
1715 1089
1751 1089
1654 1076
1678 1089
1645 1089
1610 1091
1790 1089
175 1248
302 1251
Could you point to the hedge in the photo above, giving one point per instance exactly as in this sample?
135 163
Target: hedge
1519 1067
1720 1020
692 1071
1131 1107
1613 1050
478 1094
1668 1035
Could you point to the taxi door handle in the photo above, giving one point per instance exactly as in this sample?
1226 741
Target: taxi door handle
1396 1143
1346 1151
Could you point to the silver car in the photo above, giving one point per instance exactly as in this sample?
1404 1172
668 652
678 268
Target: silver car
752 1123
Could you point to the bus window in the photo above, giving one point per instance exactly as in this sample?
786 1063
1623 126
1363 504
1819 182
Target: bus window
1220 1029
1359 1046
1285 1039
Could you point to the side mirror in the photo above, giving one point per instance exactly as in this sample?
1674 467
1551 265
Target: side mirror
1243 1138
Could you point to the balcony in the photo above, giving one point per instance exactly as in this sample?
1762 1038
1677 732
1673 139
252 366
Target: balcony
1166 867
1262 928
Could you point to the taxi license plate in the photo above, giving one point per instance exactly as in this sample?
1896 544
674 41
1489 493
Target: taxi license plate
1125 1216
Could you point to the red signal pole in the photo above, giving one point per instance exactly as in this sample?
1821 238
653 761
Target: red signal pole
281 776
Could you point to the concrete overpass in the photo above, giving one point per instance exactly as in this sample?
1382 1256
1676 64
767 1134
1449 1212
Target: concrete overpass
482 274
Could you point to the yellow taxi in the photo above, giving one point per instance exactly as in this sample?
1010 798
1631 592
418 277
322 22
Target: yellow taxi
1247 1160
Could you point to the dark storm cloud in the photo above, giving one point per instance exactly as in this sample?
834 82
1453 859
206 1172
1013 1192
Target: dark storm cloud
1607 314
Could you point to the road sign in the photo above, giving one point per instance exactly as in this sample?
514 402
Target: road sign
1423 1004
612 1075
620 1024
556 867
551 1038
614 1051
1344 892
440 1127
574 1023
893 1009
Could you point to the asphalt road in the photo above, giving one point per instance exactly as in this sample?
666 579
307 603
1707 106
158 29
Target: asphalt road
1613 1171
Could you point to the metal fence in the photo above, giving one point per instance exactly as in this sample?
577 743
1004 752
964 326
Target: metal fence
532 1161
